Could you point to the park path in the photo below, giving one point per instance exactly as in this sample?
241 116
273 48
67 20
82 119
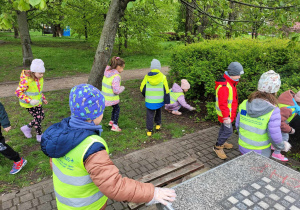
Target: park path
8 88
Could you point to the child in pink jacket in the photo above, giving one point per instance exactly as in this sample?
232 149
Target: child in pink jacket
177 98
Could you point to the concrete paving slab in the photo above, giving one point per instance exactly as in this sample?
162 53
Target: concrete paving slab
250 181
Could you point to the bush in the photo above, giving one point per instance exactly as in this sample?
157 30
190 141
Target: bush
202 63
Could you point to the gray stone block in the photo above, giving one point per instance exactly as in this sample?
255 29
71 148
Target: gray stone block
250 181
25 206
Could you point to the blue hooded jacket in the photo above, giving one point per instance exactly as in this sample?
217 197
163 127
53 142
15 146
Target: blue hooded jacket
60 138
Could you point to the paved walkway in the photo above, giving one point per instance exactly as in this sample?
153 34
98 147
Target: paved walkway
134 165
8 88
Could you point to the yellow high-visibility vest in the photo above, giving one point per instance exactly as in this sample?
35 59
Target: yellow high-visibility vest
73 187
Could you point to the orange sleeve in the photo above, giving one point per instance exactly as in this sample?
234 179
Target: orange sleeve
111 183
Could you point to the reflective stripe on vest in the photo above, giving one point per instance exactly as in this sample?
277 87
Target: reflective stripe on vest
155 93
174 96
107 89
73 186
293 109
229 100
33 93
253 131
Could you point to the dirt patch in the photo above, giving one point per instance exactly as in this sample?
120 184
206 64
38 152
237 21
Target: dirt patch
8 88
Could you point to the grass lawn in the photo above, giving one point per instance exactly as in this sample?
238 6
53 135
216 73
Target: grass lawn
132 120
65 56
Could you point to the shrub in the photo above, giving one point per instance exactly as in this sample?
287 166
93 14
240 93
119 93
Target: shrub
202 63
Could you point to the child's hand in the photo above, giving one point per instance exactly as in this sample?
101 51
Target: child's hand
45 101
192 109
27 73
34 102
292 131
226 120
7 129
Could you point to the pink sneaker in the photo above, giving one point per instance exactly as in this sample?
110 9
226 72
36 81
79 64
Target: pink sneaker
176 113
279 157
39 138
110 123
272 148
116 128
27 131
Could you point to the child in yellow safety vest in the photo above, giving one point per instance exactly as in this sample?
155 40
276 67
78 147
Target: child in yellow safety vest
84 177
31 96
177 98
155 89
284 101
111 88
258 120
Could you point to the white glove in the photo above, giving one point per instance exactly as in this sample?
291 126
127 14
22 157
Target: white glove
163 196
34 102
122 88
292 131
227 120
287 146
192 108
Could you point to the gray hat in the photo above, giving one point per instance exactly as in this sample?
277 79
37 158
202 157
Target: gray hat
235 69
155 64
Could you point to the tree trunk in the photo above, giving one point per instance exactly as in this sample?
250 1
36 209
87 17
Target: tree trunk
25 38
189 23
107 39
16 32
231 17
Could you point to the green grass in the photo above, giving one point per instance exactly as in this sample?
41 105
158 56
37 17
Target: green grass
66 56
133 136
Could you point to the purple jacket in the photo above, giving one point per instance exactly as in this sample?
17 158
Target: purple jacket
180 101
257 108
117 89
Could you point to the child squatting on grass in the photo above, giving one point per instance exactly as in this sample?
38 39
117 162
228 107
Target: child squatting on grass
31 97
226 105
5 149
155 89
258 121
111 89
83 174
177 98
284 101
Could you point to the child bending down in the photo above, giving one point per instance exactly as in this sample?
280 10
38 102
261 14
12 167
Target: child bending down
177 98
258 120
83 174
284 101
31 97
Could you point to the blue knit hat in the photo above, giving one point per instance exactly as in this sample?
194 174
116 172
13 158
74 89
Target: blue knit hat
86 102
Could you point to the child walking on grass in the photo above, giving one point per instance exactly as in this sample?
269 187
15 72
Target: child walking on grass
111 88
177 98
5 149
284 101
155 89
83 174
258 121
31 96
